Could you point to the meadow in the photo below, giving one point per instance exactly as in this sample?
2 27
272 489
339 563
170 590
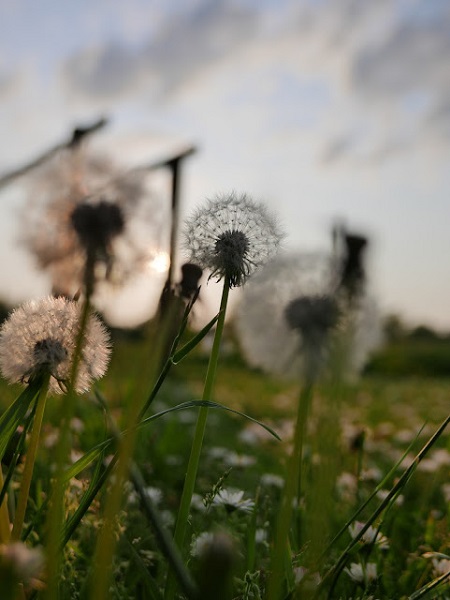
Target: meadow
261 456
241 477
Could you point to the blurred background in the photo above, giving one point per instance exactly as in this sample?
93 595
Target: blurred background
329 111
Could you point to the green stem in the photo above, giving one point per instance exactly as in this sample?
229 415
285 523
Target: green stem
29 462
291 488
194 459
55 519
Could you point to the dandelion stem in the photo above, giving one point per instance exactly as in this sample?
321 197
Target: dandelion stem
4 515
194 459
291 489
29 461
56 520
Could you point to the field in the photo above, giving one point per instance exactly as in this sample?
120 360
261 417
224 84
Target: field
357 433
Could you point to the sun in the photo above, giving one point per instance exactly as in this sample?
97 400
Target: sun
159 262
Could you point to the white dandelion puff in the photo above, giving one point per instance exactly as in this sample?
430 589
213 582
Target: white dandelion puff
40 337
232 236
291 313
79 206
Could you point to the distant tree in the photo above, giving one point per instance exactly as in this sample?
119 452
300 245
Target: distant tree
423 333
394 328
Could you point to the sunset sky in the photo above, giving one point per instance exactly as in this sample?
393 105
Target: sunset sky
327 110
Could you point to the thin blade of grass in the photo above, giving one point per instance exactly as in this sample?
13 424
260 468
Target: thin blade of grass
434 588
337 568
14 415
379 487
210 404
189 346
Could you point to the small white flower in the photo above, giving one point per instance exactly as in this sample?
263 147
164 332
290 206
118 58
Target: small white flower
347 485
20 562
362 574
233 459
382 494
370 536
200 544
40 337
232 501
445 488
272 480
154 493
441 566
231 236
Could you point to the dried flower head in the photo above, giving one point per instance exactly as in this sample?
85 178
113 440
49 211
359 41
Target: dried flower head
232 236
79 205
289 313
40 336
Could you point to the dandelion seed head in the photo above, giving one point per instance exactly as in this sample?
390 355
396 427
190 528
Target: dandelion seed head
40 336
232 236
291 313
81 203
313 316
97 224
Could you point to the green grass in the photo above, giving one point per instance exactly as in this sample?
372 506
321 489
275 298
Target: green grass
390 411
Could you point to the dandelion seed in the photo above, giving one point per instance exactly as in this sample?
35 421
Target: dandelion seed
39 337
232 236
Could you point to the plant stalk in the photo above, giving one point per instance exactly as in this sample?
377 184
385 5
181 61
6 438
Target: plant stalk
29 461
194 459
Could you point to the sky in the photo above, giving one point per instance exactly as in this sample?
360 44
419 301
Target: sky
326 110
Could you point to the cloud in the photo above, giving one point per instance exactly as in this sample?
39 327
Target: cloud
185 46
399 81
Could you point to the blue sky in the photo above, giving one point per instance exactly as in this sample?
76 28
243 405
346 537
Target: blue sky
325 110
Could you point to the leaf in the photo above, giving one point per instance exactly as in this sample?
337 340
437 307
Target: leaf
184 351
433 589
14 415
209 404
83 462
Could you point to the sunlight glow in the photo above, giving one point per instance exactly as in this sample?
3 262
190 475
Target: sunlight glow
160 262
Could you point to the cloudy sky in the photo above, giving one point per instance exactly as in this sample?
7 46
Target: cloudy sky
325 109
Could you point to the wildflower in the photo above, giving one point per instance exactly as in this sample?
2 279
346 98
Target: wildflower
201 543
20 563
39 337
80 207
441 566
289 314
271 314
370 536
233 501
362 574
232 236
272 480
